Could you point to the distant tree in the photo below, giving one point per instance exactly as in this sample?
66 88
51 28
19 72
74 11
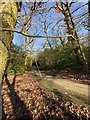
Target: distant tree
29 44
26 25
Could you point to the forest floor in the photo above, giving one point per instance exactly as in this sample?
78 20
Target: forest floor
25 98
66 86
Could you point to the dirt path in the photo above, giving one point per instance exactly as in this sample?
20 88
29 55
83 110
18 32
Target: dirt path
76 92
72 86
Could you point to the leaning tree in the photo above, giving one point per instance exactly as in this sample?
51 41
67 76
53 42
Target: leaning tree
71 29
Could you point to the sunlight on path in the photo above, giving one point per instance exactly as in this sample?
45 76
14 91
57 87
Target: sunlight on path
78 93
73 86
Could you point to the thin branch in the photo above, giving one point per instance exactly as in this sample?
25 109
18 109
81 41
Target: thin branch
72 13
79 8
35 36
79 16
68 16
51 6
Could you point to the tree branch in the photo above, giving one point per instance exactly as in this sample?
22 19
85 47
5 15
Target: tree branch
79 8
35 36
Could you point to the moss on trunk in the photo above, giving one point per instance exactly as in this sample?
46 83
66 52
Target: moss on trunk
8 18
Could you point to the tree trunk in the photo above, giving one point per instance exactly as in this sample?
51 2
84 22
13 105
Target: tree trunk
75 41
28 55
49 44
8 17
89 22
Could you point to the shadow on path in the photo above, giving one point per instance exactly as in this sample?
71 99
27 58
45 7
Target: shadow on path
20 111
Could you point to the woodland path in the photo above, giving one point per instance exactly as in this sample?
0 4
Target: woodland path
24 98
74 91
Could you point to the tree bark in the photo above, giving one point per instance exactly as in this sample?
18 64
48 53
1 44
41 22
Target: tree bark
8 18
26 53
72 30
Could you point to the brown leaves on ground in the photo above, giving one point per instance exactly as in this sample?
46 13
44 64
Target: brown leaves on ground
25 99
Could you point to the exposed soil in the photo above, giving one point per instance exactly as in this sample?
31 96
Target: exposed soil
71 90
25 99
74 76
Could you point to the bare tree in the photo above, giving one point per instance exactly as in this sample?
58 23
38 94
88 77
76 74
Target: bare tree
72 30
46 31
29 44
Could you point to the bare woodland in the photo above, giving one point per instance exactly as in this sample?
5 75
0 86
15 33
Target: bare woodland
61 26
